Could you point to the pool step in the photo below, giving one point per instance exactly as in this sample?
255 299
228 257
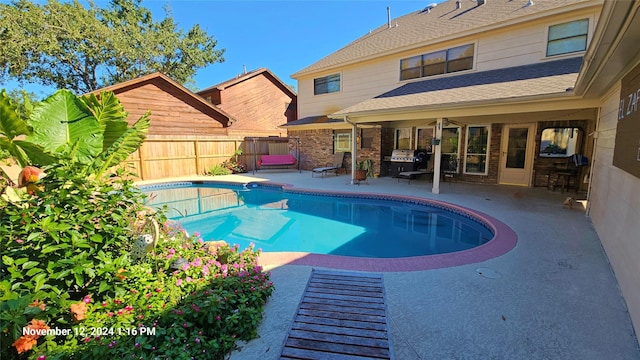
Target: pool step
342 315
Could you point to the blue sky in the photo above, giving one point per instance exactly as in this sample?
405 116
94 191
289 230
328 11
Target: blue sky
283 36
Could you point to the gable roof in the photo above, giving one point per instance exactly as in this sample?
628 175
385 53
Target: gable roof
244 77
180 91
546 78
442 22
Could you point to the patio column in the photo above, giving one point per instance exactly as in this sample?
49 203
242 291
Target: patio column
438 157
354 146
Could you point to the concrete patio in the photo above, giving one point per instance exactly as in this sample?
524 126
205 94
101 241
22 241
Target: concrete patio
554 296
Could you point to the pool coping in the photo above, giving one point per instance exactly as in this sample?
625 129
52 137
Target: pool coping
503 241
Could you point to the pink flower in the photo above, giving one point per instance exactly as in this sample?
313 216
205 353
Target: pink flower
196 234
87 299
179 282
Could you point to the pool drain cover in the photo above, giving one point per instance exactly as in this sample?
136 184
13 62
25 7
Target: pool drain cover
488 273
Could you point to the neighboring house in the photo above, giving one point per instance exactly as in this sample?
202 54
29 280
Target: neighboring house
175 110
508 88
188 134
257 99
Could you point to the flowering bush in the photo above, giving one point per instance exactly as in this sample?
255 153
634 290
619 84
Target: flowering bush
70 289
231 166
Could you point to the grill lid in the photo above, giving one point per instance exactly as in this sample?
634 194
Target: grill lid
399 155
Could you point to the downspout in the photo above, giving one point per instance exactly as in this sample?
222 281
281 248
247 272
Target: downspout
593 162
354 155
438 157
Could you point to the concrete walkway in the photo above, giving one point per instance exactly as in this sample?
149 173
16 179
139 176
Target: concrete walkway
553 296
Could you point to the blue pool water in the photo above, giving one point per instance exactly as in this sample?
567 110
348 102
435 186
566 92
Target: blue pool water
277 220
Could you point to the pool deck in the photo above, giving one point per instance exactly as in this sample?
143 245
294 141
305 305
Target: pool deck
553 296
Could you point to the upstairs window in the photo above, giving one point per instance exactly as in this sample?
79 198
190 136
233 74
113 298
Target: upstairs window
326 84
437 63
568 37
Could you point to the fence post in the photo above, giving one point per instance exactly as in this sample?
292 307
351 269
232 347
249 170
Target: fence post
197 152
141 156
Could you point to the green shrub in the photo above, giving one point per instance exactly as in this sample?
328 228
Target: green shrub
219 169
67 265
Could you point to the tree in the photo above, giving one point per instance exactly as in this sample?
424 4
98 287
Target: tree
66 45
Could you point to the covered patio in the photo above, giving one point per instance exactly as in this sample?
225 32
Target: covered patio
553 296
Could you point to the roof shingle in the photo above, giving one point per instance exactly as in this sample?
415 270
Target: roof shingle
421 27
550 77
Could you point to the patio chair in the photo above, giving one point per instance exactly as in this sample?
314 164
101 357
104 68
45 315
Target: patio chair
449 167
338 159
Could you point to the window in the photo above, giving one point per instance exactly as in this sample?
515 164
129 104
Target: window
449 147
410 68
403 139
342 140
327 84
436 63
366 137
423 139
475 161
568 37
560 142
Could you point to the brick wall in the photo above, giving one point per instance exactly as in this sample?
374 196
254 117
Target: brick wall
316 149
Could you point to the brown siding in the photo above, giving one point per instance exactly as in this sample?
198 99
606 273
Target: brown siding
257 103
170 115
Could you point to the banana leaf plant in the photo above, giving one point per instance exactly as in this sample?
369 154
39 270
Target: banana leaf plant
89 130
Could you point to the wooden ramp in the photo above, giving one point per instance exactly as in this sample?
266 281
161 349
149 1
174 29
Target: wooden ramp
342 315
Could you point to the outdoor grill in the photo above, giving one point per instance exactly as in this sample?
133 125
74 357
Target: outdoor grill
408 160
403 156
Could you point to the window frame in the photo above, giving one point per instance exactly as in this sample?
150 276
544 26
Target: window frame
486 153
428 147
449 154
395 138
337 135
327 79
566 38
420 65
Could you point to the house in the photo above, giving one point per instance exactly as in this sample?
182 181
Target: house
174 108
258 100
498 92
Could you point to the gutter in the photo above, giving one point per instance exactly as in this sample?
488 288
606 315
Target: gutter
354 146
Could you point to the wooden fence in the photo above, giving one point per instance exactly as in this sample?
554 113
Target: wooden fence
163 157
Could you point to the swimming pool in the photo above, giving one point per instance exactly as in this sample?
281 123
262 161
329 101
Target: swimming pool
358 226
